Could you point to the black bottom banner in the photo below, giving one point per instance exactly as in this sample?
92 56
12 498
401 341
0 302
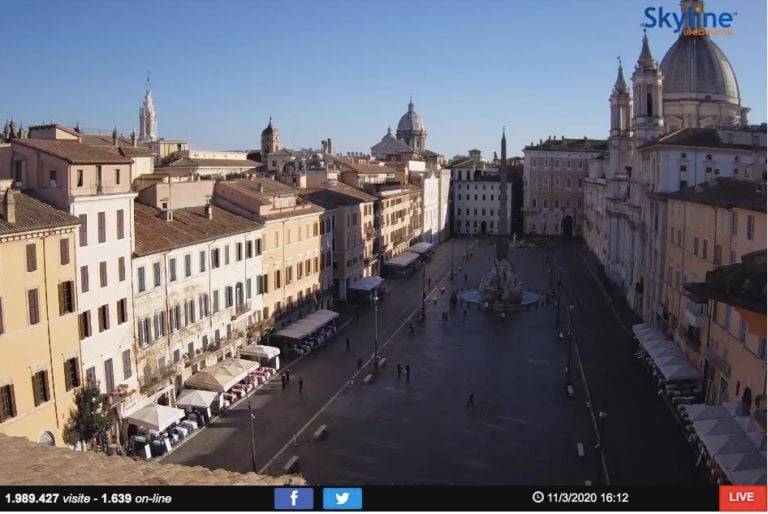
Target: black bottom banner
368 498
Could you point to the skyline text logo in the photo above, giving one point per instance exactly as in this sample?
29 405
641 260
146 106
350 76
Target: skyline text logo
694 21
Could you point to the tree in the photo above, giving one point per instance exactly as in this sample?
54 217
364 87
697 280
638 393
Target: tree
92 417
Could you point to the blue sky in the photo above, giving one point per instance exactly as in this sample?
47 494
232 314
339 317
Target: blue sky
343 69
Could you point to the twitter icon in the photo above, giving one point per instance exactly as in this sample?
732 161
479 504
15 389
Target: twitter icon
342 498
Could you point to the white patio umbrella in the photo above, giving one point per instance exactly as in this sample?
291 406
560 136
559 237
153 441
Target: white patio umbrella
702 411
748 424
733 443
156 417
758 440
720 426
748 477
196 398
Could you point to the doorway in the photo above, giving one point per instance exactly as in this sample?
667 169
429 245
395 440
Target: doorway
567 225
483 227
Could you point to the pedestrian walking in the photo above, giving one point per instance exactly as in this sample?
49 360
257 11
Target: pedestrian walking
359 363
408 373
470 401
287 377
466 277
399 370
301 385
282 381
348 344
465 313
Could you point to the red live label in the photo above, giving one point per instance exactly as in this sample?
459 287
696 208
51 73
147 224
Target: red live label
743 498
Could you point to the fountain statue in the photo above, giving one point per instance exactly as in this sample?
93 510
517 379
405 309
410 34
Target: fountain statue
500 285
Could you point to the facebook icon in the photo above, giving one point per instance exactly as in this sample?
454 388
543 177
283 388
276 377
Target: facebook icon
294 498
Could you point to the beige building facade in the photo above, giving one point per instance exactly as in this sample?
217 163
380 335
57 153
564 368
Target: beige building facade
40 368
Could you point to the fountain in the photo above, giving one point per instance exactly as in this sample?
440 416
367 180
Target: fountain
500 288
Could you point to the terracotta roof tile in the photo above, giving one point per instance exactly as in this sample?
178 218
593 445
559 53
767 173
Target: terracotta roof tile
189 226
23 462
32 214
74 152
724 192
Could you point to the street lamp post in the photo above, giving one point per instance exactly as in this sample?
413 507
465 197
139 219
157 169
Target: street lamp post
570 345
451 258
253 448
600 435
375 331
424 292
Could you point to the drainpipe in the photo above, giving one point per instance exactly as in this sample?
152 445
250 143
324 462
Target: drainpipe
48 328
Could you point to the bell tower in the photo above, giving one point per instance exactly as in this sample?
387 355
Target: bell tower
648 115
621 125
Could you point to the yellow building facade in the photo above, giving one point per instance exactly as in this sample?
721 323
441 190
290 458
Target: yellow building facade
39 340
709 225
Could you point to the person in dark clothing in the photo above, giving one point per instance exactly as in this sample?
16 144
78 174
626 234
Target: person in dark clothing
408 373
287 377
470 401
348 344
466 277
359 363
399 370
283 381
301 385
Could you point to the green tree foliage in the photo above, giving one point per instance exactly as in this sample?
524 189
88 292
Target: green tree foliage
92 415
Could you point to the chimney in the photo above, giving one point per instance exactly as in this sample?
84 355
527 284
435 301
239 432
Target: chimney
209 211
167 215
133 138
114 136
9 203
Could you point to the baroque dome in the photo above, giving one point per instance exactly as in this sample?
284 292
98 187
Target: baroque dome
269 130
695 68
410 121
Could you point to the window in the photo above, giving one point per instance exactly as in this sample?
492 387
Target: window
117 175
226 255
187 265
141 280
66 297
33 307
727 321
533 202
228 297
90 375
52 178
144 331
248 249
683 184
156 273
71 374
204 306
122 311
546 202
216 301
120 223
103 273
684 168
40 387
458 211
102 227
7 403
696 246
189 312
83 229
732 257
734 223
704 248
215 258
172 269
32 257
277 279
718 259
750 228
176 356
260 284
259 245
127 365
64 251
121 268
289 275
202 261
85 325
743 331
79 178
239 252
761 348
248 288
159 325
557 204
103 318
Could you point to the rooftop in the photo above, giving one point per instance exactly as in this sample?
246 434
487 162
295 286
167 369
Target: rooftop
567 144
189 226
186 162
74 152
23 462
703 137
741 285
337 196
361 167
724 192
32 214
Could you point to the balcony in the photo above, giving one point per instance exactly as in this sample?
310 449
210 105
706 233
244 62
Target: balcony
717 361
696 314
119 395
216 349
690 336
158 380
241 309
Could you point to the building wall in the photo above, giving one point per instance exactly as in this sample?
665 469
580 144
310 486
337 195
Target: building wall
177 195
699 238
737 338
401 213
142 166
554 189
477 201
27 348
115 342
183 350
444 204
353 246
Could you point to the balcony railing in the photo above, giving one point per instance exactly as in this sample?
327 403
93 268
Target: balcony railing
695 316
217 347
241 309
690 336
717 361
156 381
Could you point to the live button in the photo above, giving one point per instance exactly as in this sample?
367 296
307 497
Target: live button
743 498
